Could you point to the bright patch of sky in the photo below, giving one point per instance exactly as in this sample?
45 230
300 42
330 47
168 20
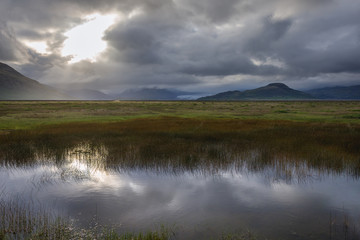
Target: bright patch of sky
84 42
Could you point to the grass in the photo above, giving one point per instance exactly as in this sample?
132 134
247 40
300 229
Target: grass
23 221
30 114
19 222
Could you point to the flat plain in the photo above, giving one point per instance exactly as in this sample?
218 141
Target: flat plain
29 114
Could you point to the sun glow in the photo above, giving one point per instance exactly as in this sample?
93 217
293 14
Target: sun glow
40 47
84 42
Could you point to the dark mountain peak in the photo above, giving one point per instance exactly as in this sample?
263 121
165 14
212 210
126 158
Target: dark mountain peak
275 91
279 85
9 77
15 86
4 68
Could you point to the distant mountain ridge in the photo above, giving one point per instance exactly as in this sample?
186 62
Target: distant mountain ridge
151 94
272 91
338 92
15 86
88 94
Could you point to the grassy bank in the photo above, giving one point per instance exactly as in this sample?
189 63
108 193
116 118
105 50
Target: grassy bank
29 114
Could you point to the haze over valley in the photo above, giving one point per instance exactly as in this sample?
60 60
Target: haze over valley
15 86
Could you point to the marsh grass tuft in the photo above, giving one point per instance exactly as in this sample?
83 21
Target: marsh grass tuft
23 221
248 235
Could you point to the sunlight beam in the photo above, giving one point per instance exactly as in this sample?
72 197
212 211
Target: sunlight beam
40 46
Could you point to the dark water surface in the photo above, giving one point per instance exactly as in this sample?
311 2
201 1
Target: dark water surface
274 201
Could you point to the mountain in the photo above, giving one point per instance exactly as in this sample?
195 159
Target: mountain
273 91
15 86
151 94
352 92
88 94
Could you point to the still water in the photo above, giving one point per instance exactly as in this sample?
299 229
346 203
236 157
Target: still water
295 203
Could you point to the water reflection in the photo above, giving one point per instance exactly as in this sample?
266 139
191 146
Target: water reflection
280 200
92 161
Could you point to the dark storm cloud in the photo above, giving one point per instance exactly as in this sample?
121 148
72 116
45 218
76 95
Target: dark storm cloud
31 34
312 44
10 48
271 32
186 43
144 39
233 54
213 10
135 44
223 66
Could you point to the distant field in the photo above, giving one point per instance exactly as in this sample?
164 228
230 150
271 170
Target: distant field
30 114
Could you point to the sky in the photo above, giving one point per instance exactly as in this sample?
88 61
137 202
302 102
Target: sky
203 46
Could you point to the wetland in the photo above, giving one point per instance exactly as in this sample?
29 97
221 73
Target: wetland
180 170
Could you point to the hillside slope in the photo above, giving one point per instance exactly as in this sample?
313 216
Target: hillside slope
15 86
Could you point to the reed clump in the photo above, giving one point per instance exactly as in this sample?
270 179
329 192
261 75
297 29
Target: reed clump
23 221
19 221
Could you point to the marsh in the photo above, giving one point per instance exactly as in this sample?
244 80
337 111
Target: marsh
202 178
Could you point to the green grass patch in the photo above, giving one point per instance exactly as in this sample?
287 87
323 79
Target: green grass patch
352 116
30 114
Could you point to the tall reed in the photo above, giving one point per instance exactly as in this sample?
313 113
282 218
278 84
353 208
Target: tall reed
23 221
